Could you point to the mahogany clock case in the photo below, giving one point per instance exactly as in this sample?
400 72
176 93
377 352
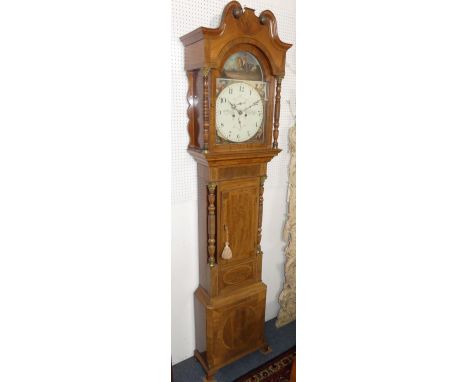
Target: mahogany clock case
230 300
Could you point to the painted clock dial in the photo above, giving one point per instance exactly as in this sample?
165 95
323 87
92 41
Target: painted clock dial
239 112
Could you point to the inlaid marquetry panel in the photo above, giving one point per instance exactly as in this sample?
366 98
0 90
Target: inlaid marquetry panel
236 276
238 218
239 327
238 172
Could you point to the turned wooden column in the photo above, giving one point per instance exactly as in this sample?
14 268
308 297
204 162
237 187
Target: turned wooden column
206 111
260 215
277 111
211 224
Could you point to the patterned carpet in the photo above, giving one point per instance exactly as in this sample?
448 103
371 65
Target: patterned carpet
280 340
276 370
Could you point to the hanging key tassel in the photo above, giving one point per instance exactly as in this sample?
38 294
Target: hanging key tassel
227 253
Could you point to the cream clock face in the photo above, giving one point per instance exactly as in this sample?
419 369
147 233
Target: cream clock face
239 112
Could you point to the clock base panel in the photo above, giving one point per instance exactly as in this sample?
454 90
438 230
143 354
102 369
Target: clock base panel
232 326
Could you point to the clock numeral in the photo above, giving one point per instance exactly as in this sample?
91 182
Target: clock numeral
230 90
241 88
238 136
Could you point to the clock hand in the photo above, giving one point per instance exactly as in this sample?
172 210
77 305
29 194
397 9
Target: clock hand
247 108
234 107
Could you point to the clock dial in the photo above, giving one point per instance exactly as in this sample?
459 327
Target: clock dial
239 112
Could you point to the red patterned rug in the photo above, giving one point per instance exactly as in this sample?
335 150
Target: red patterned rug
276 370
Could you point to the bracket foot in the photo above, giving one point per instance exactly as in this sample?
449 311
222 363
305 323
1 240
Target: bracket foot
266 349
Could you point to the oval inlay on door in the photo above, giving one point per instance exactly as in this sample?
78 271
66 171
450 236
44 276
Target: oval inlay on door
237 275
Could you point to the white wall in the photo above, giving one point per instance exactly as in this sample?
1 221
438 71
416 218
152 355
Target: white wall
186 16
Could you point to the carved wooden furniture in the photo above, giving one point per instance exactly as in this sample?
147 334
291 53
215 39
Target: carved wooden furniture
234 75
287 297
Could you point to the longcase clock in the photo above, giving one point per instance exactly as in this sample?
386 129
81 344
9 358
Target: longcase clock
234 88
